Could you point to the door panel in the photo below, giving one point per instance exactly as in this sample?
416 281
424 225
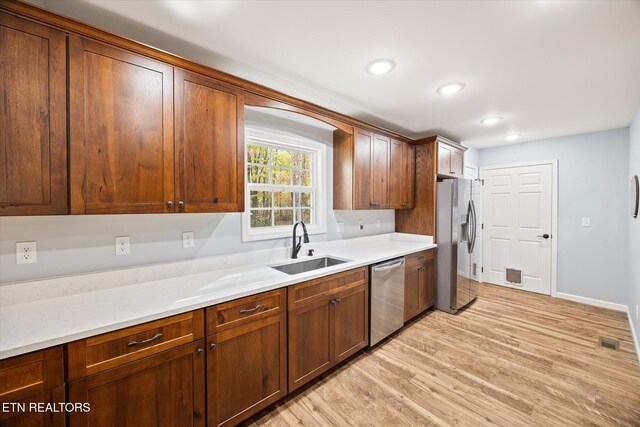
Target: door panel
363 143
516 215
380 172
121 115
33 133
351 323
209 144
411 293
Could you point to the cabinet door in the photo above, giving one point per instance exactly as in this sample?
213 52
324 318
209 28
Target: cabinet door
363 144
427 284
411 292
121 112
351 312
33 125
380 172
444 159
209 145
246 370
457 162
166 389
310 342
396 179
409 175
29 418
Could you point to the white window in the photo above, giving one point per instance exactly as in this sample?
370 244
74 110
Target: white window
285 179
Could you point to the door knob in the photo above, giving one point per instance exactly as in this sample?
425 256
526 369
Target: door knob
544 236
169 203
181 204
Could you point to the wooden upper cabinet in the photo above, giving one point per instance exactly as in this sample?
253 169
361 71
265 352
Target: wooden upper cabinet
402 175
361 170
33 131
380 172
121 125
363 146
450 157
209 135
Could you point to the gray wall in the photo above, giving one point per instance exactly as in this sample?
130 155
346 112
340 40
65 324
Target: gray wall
592 179
472 156
634 226
77 244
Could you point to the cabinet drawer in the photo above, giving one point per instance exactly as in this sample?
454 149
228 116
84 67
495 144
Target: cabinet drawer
415 260
244 310
313 290
112 349
31 373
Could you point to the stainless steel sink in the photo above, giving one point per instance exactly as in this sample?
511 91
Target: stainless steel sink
309 265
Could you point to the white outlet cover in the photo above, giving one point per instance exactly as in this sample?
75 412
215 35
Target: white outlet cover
586 222
188 240
123 245
340 227
378 223
26 252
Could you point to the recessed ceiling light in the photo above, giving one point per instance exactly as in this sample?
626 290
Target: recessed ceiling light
450 88
490 121
512 137
380 66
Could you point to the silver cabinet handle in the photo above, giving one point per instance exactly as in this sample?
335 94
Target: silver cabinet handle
251 310
212 346
181 204
155 337
335 301
169 203
199 351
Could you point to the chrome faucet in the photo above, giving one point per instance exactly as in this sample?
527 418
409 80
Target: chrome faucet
296 246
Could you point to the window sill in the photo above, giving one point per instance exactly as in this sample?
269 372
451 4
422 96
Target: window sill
281 234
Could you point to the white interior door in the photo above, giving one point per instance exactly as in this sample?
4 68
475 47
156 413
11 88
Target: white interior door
518 220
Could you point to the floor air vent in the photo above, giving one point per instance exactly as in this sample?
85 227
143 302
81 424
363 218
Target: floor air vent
609 343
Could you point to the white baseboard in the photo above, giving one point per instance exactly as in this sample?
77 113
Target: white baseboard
591 301
633 333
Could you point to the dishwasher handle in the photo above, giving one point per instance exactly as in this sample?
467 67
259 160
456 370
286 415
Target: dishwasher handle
386 267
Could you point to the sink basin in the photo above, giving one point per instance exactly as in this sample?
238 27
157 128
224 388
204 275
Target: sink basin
309 265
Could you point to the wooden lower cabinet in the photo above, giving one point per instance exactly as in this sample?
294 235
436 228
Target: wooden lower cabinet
246 369
332 326
33 378
419 283
166 389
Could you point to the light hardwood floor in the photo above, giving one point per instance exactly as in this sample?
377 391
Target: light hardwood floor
512 358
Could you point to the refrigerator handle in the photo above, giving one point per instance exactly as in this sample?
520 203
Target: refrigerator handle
475 225
469 228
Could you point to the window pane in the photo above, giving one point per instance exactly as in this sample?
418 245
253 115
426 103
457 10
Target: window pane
303 215
283 216
306 161
297 160
303 200
281 176
258 154
261 199
261 218
283 199
258 174
281 157
301 177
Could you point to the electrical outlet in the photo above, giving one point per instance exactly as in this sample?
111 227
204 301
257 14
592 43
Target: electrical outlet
586 222
378 223
123 245
360 224
340 227
26 253
188 240
636 311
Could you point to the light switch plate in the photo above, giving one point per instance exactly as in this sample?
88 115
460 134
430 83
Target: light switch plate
123 246
26 253
586 222
188 240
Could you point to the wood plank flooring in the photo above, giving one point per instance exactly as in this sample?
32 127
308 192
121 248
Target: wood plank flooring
513 358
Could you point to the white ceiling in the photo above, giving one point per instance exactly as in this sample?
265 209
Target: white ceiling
550 68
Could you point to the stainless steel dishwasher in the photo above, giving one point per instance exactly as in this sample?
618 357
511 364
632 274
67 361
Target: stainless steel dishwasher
387 299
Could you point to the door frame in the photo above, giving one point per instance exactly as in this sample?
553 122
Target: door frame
554 210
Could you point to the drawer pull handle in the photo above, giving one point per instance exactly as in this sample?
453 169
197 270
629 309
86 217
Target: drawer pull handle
251 310
155 337
335 301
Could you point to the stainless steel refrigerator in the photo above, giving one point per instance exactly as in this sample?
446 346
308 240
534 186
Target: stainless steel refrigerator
456 233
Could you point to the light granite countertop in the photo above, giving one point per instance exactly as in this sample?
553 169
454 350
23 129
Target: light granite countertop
40 314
